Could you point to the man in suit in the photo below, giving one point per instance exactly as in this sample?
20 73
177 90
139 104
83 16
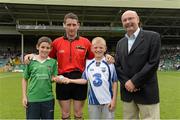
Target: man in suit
137 59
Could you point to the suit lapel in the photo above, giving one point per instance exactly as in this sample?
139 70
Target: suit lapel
137 42
126 46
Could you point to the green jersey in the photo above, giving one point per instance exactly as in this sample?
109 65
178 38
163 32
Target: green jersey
39 77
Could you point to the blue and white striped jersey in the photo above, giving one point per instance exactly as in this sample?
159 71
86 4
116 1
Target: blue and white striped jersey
100 76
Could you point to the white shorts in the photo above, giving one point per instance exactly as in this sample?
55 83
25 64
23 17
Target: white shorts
100 112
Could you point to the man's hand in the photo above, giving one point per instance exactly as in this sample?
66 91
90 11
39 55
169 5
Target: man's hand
109 58
135 90
129 86
58 79
61 79
28 57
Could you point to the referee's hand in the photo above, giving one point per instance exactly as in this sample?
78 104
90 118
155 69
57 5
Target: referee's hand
28 58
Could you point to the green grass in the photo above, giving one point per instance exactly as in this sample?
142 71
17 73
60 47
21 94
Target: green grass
11 107
169 85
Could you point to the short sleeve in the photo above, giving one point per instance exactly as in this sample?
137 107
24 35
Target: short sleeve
55 70
26 74
114 74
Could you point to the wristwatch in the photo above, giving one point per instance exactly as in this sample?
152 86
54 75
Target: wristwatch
61 77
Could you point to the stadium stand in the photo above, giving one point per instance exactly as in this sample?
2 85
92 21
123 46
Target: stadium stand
170 58
23 22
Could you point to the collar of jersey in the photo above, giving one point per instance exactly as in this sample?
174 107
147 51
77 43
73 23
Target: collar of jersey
35 58
103 59
76 38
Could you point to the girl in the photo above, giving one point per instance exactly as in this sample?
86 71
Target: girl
37 91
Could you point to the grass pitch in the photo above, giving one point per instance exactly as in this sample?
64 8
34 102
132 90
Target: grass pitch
11 107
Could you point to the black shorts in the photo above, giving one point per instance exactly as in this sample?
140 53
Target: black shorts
71 91
40 110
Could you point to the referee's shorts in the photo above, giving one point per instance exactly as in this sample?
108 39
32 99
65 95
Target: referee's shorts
71 91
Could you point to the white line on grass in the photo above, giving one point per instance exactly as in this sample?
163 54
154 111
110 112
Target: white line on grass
7 76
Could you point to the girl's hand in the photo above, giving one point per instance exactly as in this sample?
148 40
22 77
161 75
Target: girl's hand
24 102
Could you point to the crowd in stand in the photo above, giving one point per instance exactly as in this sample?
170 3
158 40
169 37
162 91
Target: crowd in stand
9 60
170 58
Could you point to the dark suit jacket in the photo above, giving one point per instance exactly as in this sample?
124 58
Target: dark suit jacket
139 65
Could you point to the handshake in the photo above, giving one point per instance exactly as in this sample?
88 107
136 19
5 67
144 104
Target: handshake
61 79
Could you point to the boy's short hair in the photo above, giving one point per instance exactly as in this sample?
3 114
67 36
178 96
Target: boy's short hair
71 16
98 40
44 39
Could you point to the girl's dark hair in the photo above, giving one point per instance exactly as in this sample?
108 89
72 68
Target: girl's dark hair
44 39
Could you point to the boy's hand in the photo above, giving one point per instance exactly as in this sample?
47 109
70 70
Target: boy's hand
27 58
66 80
112 106
61 79
24 102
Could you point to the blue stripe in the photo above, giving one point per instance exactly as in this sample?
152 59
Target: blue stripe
92 98
91 95
84 75
114 77
90 64
109 79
